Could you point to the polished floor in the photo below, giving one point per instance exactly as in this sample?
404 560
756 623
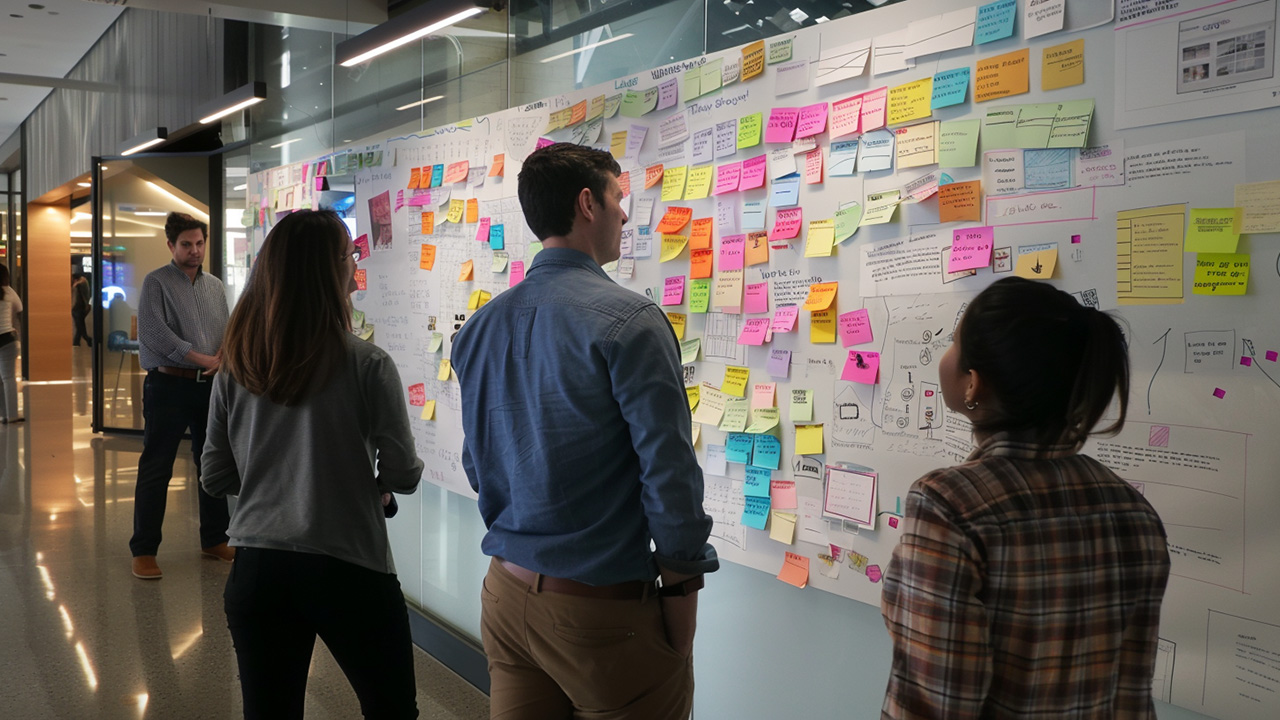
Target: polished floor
80 637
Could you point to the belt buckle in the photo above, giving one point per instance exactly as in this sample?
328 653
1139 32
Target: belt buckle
200 376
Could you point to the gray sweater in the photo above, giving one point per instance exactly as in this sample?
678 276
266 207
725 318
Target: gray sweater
305 475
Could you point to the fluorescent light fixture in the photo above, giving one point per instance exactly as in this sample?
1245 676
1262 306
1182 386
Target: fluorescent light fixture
420 102
151 213
84 184
585 48
234 101
239 187
286 142
403 29
150 138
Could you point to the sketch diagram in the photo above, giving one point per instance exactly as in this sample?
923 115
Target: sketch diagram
851 424
1162 680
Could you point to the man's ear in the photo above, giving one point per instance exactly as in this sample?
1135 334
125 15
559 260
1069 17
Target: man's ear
585 204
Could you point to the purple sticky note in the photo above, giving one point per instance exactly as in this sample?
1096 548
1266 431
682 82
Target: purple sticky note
757 298
1272 355
1219 393
1075 239
855 328
1246 361
779 363
861 366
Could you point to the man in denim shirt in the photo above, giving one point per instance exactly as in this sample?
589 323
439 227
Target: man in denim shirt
578 442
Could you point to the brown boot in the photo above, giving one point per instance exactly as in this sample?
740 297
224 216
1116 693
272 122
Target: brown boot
221 551
145 567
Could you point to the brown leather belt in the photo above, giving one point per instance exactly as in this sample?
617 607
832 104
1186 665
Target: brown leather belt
187 373
633 590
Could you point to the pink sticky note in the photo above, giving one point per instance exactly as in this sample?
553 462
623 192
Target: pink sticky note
757 298
813 120
861 366
399 199
874 574
893 522
873 105
1246 361
752 173
1075 239
673 291
971 248
855 327
786 224
784 318
482 231
763 394
782 494
544 142
813 166
732 250
753 331
846 116
782 125
727 178
1272 355
517 272
417 395
1219 393
362 244
420 200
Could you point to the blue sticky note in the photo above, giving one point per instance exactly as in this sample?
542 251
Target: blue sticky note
785 192
496 241
757 483
756 512
995 21
437 175
950 88
1046 169
844 156
753 215
767 454
737 448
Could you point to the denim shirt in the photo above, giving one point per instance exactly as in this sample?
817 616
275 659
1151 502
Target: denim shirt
578 429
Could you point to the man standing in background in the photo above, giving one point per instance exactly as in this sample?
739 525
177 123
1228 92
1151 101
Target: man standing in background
182 314
578 443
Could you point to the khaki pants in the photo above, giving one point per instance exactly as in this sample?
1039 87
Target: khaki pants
555 656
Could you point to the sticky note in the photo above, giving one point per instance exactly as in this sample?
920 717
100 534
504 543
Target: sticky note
497 237
735 415
673 290
855 328
960 202
752 60
674 219
727 178
812 120
780 50
738 447
822 326
1246 361
779 364
949 88
500 259
731 252
813 166
1272 355
995 21
782 528
735 381
784 318
971 248
753 171
766 452
428 410
910 101
757 248
754 331
845 116
785 192
456 172
473 210
782 493
456 210
749 128
673 180
1219 393
517 273
787 223
1038 264
700 234
498 165
861 366
478 299
653 175
801 410
756 299
781 127
467 271
958 143
874 103
427 260
700 265
756 483
795 569
821 295
1214 230
881 207
618 144
820 238
689 350
428 223
672 246
1002 76
698 185
700 295
1221 274
445 370
809 439
755 513
1062 65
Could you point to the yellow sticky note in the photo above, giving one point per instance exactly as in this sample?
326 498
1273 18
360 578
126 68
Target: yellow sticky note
618 144
1002 76
1214 230
478 299
694 394
673 179
446 369
880 207
672 246
678 321
749 128
456 209
809 439
1037 265
429 410
782 527
820 239
911 101
698 186
1221 274
801 406
467 272
752 60
821 295
822 326
1062 65
697 432
735 381
597 107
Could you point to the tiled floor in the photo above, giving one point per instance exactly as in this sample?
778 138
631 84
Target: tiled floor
80 637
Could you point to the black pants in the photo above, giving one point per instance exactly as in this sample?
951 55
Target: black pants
170 405
77 325
278 601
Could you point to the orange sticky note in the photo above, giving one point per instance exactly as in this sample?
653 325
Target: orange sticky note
468 270
757 250
1002 76
652 176
674 219
821 295
579 113
362 280
473 210
499 160
428 223
960 201
795 570
428 258
700 263
700 236
424 177
624 182
413 178
456 172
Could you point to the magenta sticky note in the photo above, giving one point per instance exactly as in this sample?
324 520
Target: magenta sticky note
362 244
784 318
1219 393
813 120
1272 355
727 178
787 223
874 574
482 231
732 250
544 142
971 248
399 199
893 522
861 366
673 290
756 298
517 272
855 328
752 173
1246 361
779 363
419 200
1075 239
754 331
782 125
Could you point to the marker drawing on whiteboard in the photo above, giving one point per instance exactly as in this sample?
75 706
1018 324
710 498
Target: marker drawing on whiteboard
1248 358
1164 339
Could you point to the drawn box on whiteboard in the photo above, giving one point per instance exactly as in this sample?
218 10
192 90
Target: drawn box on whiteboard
1210 350
850 495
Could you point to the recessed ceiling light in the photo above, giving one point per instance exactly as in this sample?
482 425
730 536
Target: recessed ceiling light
34 6
16 15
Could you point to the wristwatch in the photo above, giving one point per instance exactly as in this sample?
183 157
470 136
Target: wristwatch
684 588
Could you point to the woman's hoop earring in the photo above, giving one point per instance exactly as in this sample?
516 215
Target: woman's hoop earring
971 406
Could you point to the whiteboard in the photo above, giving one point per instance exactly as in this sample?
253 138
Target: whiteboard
1207 463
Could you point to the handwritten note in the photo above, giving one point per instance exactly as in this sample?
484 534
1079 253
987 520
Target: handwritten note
1002 76
971 248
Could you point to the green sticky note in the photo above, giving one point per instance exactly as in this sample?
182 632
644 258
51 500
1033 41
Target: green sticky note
801 406
712 76
689 350
749 130
692 85
735 415
958 143
997 128
1214 230
1071 124
1221 274
535 247
1035 121
847 220
699 296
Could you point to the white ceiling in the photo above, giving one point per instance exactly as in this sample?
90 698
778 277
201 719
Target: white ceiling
45 44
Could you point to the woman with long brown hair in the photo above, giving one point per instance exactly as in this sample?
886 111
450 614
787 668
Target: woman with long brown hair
307 426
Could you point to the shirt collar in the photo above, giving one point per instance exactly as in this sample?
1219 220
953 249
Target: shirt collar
199 270
569 258
1021 446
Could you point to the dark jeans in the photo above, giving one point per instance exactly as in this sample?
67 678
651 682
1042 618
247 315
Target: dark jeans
77 325
170 405
277 601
